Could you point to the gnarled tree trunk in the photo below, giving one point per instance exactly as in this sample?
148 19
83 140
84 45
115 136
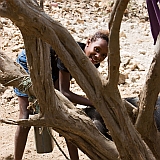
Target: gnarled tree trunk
38 29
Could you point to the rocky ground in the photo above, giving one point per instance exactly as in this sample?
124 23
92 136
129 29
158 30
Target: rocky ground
81 18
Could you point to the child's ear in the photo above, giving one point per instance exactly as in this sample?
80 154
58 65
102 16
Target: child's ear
88 41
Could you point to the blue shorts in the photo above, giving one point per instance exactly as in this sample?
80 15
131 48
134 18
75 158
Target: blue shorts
19 94
22 60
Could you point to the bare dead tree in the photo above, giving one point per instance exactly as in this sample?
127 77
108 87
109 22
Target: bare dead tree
39 30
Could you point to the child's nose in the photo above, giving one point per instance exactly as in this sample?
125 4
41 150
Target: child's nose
98 56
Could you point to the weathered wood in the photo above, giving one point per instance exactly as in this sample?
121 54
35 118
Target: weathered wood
148 100
33 23
61 117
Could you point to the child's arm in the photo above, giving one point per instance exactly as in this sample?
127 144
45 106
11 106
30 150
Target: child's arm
64 86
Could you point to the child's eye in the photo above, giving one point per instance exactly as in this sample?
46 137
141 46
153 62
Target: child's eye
96 49
104 55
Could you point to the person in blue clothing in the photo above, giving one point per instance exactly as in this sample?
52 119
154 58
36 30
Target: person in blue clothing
96 49
22 132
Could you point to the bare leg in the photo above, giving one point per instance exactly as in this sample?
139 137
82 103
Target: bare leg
73 151
21 132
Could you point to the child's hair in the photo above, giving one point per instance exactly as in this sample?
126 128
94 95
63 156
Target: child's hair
103 34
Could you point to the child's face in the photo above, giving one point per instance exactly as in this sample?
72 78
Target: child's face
96 51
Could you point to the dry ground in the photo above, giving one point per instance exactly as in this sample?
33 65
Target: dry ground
81 19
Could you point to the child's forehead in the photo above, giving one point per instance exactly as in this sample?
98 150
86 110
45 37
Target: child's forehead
100 41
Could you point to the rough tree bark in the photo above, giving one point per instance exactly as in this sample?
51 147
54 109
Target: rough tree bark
147 108
56 111
62 116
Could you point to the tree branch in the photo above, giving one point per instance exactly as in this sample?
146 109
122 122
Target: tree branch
148 100
63 118
33 21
